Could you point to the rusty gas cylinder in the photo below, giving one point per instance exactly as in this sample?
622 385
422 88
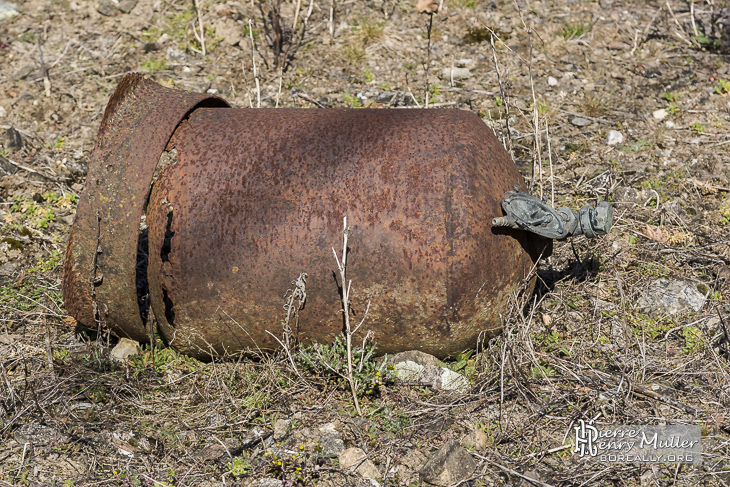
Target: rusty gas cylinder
255 197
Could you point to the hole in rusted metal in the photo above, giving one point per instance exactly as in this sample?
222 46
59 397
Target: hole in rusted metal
165 256
167 243
169 309
143 289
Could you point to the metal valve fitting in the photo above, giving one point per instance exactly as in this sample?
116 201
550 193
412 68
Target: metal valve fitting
527 212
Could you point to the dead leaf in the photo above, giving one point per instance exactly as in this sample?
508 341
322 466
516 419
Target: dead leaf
654 234
427 7
547 319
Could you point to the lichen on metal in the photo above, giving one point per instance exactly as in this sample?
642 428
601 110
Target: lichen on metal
255 197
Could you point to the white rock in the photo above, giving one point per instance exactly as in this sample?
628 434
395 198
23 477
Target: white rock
3 112
453 381
668 297
408 371
552 81
669 124
353 457
660 114
7 10
124 349
615 137
455 73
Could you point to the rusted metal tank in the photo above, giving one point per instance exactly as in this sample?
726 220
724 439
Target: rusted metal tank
254 197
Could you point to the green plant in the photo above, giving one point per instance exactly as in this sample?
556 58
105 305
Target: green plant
670 96
593 106
698 127
301 465
707 42
498 101
331 361
571 30
240 466
692 339
353 101
470 4
724 212
637 146
60 353
161 359
722 87
632 240
28 37
58 143
367 31
434 90
154 65
47 264
672 109
540 371
369 76
354 53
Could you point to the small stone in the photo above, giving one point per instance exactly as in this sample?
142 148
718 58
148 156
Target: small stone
385 97
229 30
126 6
282 428
669 124
660 114
453 381
580 121
615 137
602 305
627 195
605 4
414 459
267 482
532 474
38 435
416 356
3 112
665 296
7 270
106 7
455 73
353 456
13 140
332 444
77 187
24 71
451 464
124 349
8 10
175 55
68 219
552 81
476 439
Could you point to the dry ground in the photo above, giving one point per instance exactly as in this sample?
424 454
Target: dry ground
569 70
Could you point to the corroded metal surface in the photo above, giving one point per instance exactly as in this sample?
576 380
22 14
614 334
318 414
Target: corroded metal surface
258 196
99 269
